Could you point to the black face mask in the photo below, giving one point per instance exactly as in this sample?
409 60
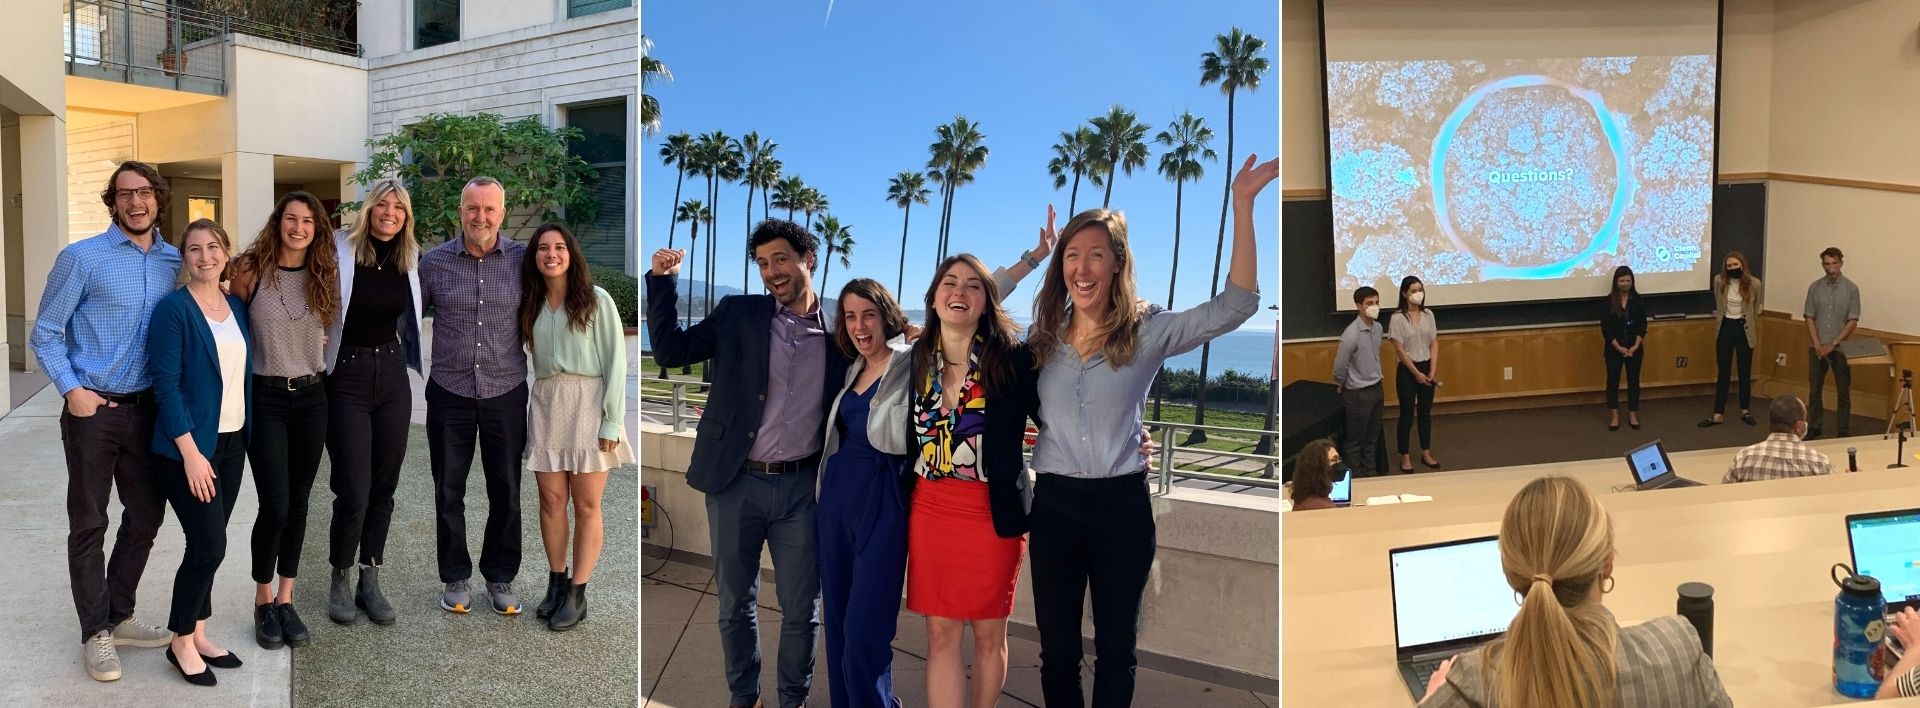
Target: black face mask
1734 273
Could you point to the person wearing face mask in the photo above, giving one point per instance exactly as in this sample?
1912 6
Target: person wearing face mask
1737 308
1098 348
1624 326
1313 475
1416 341
1782 455
1356 371
1832 312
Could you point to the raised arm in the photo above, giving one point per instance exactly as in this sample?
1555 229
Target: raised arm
1171 334
673 346
1005 279
1244 270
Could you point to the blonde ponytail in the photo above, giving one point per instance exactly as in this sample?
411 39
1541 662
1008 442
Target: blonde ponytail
1555 542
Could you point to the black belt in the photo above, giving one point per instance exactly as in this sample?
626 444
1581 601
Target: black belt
142 397
291 384
1131 480
388 348
790 467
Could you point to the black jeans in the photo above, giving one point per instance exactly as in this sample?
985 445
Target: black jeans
368 406
205 525
289 433
1732 343
1098 535
1616 362
501 425
1416 401
1842 384
106 450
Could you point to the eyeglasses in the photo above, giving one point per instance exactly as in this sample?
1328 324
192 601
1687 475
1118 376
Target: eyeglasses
128 194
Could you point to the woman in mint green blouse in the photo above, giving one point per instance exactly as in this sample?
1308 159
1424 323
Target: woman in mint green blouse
576 413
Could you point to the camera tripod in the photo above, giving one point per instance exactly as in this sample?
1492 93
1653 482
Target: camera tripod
1897 423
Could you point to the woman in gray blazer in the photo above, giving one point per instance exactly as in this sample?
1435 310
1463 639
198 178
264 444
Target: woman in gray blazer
1737 302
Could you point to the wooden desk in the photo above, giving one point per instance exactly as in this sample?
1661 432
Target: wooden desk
1766 547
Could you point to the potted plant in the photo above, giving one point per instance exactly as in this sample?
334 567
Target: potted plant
171 59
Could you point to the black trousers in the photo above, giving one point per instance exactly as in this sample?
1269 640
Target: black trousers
1842 384
289 433
369 403
1364 444
109 450
1732 344
500 423
205 525
1616 362
1416 401
1098 535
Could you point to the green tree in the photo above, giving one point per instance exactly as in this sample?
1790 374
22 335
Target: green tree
675 153
1235 63
905 190
1187 138
651 70
721 162
1073 155
959 152
694 213
756 153
835 238
813 202
1119 145
436 156
787 192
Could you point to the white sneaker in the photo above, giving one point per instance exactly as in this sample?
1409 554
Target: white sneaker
130 633
102 660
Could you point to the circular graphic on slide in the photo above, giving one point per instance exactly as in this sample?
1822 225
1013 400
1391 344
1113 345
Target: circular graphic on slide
1532 176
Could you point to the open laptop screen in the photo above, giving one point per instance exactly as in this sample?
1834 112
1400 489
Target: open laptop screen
1886 545
1342 489
1649 461
1450 591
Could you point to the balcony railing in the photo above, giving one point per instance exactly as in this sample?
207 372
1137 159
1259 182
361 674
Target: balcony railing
154 43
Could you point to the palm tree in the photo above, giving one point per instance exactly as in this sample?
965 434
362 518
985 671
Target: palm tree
1235 63
692 212
676 153
722 166
1119 143
905 190
1187 137
812 202
786 194
960 151
755 152
834 238
1073 155
651 70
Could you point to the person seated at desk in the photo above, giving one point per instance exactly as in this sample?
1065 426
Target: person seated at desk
1313 476
1903 680
1782 455
1564 648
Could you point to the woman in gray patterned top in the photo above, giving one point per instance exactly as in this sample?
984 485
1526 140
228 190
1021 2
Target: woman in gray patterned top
289 278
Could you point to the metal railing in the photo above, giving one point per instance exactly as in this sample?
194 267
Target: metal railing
154 43
682 403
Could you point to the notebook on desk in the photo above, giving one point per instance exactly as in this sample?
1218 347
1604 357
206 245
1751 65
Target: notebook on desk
1448 598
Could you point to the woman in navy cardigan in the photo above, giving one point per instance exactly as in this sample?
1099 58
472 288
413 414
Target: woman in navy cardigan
202 379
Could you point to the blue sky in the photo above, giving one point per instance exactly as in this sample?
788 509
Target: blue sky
853 99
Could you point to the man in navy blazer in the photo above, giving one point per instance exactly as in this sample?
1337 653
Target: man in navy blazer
757 448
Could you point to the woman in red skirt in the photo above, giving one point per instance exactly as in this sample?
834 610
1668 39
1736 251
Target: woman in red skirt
972 391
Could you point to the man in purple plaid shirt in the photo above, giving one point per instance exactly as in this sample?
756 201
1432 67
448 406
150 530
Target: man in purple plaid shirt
1782 454
477 385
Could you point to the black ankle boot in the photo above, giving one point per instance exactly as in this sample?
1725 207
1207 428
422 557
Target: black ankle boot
556 588
571 609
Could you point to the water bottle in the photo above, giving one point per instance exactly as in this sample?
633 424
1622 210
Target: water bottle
1696 605
1859 622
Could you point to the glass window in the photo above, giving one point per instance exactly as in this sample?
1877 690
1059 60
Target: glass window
603 144
582 8
435 22
203 208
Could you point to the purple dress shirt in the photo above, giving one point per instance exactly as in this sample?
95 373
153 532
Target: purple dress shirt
797 353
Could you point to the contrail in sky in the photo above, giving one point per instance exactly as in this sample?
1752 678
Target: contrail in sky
823 23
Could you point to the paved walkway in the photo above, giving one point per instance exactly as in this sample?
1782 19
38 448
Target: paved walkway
681 665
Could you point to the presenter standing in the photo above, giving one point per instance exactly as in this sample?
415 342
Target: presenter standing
1624 324
1415 339
1832 312
1737 308
1356 372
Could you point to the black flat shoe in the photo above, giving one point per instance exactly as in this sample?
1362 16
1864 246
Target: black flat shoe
1748 419
228 660
1708 423
267 631
292 627
204 678
1406 470
1635 426
1613 427
1431 465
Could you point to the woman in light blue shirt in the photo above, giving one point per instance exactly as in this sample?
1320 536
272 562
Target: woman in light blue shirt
1098 349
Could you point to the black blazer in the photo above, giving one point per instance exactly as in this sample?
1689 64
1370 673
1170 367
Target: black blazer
1623 329
1002 444
734 338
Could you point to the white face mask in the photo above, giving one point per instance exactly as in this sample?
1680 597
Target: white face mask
1373 312
1419 298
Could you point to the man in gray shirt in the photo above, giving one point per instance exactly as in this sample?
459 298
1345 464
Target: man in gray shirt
1356 370
1832 312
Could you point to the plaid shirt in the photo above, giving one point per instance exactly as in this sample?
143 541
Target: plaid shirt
1780 456
472 358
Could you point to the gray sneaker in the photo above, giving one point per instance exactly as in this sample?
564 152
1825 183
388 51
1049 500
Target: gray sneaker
455 599
102 660
134 634
504 601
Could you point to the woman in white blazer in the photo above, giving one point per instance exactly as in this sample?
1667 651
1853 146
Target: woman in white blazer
369 398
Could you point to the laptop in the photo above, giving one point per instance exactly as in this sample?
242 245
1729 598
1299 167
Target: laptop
1886 545
1448 598
1652 470
1342 494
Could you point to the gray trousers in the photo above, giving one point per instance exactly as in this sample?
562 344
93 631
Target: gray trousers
1366 408
774 511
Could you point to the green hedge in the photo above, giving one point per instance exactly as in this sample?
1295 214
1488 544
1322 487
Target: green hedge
624 289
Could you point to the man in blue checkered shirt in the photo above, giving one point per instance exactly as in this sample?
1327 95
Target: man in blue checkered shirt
90 335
